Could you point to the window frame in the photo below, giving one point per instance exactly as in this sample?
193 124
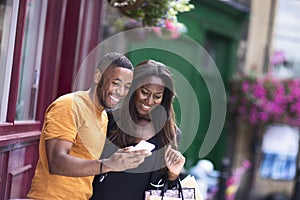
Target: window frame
9 60
8 125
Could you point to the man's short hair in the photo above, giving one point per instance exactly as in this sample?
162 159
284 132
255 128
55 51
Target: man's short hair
114 59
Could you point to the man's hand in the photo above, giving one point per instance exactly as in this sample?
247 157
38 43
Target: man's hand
124 159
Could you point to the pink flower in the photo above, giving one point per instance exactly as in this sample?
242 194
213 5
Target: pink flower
259 91
170 26
245 86
172 33
277 58
157 30
266 100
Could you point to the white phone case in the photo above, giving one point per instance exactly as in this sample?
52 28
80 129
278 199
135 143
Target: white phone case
144 145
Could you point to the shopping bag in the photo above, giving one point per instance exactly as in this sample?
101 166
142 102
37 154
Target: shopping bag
190 182
171 194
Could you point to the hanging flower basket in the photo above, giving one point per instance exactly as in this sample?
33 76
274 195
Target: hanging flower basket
124 5
153 12
266 100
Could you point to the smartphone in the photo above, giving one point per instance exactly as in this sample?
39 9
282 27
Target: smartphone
144 145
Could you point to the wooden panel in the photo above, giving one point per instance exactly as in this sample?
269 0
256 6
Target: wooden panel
89 36
18 127
65 79
18 140
18 158
51 55
31 157
17 179
3 173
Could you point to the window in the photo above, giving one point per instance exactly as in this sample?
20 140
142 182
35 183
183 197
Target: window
8 21
20 57
30 61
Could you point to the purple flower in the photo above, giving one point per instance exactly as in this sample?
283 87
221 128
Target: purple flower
278 58
245 86
266 99
259 91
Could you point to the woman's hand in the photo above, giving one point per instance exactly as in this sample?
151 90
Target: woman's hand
174 161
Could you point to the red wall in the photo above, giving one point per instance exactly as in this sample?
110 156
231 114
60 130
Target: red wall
65 30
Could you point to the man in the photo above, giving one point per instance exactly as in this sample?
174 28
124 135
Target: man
74 134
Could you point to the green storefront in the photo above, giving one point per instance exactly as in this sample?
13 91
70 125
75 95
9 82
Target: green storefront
216 26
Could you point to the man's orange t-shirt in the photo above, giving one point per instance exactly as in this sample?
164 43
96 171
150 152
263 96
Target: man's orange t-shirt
74 118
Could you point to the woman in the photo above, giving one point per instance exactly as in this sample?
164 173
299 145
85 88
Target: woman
146 114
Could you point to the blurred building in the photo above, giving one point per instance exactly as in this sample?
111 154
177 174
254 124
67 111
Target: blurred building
272 28
43 43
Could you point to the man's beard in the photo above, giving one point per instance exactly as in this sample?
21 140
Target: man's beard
99 93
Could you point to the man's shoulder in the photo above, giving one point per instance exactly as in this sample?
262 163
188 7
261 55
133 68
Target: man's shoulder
69 100
72 97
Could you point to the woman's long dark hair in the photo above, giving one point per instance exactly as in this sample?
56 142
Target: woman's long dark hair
127 117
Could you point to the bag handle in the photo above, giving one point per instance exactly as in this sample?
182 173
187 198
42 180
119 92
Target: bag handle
165 188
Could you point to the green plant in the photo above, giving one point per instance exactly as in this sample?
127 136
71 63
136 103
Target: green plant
154 12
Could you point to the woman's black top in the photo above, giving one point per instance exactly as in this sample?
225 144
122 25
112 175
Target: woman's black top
131 184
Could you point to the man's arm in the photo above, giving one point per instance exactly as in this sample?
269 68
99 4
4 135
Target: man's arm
61 163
